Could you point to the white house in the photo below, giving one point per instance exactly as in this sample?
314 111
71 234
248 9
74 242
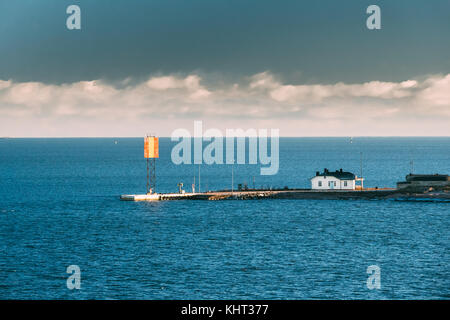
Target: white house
339 179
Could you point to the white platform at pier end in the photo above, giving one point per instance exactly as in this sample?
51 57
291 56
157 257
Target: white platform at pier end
141 197
159 196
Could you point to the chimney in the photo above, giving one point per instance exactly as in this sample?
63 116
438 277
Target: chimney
340 170
317 173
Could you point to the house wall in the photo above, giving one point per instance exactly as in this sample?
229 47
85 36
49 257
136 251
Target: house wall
339 184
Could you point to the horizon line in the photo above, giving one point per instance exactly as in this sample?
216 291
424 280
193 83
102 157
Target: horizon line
135 137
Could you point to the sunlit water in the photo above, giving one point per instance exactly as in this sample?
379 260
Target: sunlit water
59 206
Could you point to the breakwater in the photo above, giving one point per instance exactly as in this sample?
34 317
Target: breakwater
291 194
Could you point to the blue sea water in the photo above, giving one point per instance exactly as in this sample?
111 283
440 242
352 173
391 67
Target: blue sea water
59 206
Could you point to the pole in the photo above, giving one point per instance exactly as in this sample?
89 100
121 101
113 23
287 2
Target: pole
148 176
198 178
232 177
360 170
152 175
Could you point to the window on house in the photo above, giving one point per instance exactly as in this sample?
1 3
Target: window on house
345 183
320 183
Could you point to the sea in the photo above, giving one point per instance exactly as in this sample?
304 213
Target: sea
60 206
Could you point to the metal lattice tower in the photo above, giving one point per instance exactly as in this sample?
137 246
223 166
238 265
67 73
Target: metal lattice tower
151 152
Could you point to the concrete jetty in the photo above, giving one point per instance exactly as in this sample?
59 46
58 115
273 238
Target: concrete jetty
288 194
434 188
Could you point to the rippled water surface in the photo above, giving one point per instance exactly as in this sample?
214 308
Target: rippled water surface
59 206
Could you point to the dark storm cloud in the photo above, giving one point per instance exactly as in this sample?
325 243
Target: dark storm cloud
308 68
302 41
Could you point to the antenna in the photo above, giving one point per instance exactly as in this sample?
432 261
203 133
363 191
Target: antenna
411 161
360 164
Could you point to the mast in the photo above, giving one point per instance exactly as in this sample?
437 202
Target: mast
232 177
361 169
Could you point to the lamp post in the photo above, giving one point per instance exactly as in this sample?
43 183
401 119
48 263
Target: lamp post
232 177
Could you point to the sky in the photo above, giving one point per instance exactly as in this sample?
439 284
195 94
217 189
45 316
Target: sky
308 68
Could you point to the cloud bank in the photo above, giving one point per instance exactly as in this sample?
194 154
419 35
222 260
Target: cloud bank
162 104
